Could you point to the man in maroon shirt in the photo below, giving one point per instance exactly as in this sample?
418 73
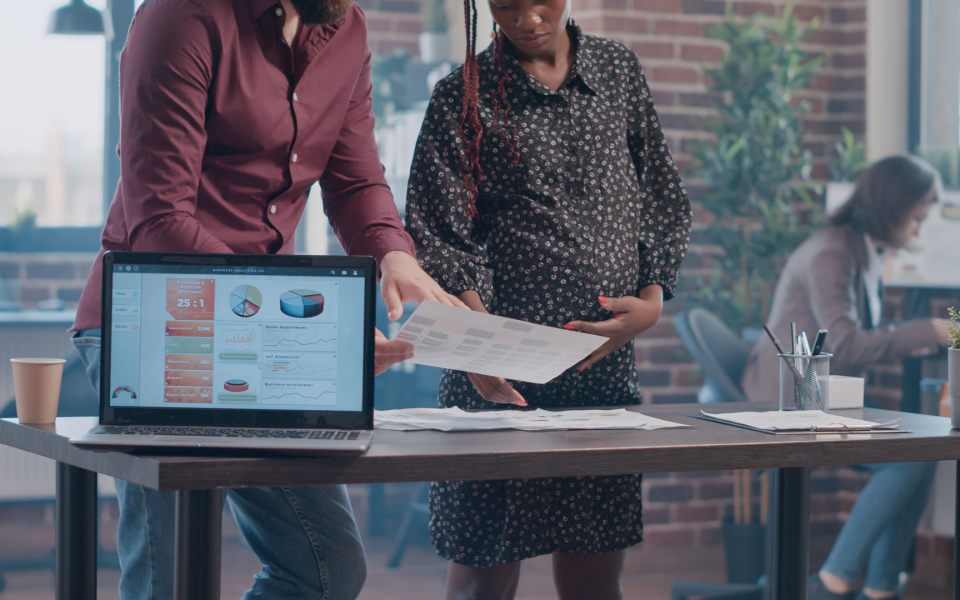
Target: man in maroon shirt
230 111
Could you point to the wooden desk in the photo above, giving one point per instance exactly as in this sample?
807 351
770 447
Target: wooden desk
430 455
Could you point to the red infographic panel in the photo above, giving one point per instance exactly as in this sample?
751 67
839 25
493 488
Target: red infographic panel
190 328
189 378
189 361
188 394
190 299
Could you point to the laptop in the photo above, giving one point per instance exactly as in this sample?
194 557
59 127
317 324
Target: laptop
252 352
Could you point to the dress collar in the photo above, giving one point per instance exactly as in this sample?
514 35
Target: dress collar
583 69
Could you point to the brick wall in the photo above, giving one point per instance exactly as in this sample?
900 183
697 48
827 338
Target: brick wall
42 276
393 23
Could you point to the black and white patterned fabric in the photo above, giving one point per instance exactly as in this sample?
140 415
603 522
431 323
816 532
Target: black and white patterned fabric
594 207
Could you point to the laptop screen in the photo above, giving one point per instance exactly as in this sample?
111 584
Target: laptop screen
285 337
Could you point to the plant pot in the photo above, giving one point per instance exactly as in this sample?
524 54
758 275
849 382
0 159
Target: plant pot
24 240
745 546
434 47
953 381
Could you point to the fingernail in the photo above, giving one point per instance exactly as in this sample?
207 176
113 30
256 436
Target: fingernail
520 402
390 315
581 369
603 299
568 326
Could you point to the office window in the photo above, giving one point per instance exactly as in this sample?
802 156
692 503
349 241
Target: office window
51 119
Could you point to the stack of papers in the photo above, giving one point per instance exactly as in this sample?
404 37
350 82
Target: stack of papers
802 421
455 419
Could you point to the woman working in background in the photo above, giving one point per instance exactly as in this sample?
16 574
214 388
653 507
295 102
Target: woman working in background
832 281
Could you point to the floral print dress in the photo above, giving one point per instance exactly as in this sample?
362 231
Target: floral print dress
594 207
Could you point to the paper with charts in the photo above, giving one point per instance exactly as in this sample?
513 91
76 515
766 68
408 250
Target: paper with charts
456 419
464 340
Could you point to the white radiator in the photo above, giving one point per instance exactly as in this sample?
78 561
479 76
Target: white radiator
25 476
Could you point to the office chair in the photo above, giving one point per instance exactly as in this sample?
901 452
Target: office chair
722 356
77 399
718 351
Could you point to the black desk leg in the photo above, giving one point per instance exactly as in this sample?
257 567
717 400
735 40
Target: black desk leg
956 539
76 533
791 534
196 567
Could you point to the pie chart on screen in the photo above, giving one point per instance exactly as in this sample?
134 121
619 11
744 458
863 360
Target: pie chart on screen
301 304
245 300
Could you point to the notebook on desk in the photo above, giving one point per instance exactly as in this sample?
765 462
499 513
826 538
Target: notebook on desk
259 352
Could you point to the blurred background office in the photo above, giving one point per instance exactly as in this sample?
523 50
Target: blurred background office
882 77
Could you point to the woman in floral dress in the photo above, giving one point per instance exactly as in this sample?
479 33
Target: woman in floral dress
542 189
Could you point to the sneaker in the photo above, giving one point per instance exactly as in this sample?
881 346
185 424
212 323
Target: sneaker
817 591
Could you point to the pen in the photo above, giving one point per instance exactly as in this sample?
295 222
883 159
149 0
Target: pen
818 343
793 339
776 343
805 344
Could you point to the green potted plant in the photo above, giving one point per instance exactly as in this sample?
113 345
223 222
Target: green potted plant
849 158
23 229
756 174
755 171
953 366
434 41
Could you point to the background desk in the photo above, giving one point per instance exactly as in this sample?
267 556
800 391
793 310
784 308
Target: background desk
429 455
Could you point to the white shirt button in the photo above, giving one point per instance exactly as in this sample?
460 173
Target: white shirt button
294 96
273 209
279 12
295 157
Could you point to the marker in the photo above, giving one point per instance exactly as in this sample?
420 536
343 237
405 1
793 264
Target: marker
818 343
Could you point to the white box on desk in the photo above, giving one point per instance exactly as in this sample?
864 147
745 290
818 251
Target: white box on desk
846 392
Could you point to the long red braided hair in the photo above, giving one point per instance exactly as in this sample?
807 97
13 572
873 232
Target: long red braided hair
470 127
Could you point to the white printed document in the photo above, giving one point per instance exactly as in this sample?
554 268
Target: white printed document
802 421
464 340
456 419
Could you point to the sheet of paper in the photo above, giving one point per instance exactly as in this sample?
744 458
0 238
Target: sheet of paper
455 419
800 420
464 340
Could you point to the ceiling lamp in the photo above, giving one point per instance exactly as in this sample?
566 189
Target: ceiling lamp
77 18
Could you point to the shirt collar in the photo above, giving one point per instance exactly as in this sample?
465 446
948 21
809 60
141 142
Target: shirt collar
258 7
875 254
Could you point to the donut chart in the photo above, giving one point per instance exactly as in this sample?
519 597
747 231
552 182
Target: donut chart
236 385
245 300
301 304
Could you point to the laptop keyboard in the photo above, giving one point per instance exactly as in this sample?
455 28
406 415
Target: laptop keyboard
321 434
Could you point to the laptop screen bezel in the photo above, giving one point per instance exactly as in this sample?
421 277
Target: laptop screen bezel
233 417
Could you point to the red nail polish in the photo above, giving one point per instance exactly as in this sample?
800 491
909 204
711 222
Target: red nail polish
603 299
520 402
568 326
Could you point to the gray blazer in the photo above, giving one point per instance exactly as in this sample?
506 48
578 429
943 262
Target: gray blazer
822 287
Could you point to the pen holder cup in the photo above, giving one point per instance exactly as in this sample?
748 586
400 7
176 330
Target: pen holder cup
805 382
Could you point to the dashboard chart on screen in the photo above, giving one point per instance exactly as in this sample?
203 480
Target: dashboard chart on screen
237 339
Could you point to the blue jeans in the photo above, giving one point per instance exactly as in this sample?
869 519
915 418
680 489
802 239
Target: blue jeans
880 530
305 537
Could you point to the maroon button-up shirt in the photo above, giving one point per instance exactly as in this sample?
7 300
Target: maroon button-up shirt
224 128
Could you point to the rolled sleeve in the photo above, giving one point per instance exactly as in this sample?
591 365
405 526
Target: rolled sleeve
665 214
356 197
449 244
165 73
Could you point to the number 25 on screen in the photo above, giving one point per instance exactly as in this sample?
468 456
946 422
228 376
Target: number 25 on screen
185 302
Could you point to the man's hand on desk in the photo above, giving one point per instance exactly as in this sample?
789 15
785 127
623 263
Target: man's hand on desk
631 317
402 280
942 328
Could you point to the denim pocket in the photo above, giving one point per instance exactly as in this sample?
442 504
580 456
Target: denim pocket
87 343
